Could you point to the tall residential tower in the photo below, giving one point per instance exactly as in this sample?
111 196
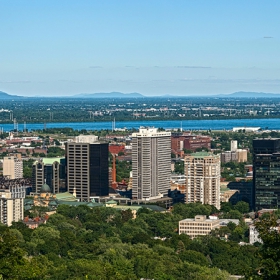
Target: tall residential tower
202 172
151 170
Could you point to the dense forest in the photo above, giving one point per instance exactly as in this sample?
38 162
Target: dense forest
105 243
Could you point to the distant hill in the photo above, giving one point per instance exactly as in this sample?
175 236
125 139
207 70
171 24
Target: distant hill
244 94
4 95
110 95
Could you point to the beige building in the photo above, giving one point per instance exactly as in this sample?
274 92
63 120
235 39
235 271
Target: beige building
241 155
12 204
151 172
198 226
12 167
202 172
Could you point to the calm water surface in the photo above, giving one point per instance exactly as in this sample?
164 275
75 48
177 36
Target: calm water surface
186 124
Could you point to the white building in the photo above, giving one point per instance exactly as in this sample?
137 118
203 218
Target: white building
246 129
198 226
233 145
12 167
86 139
254 235
12 204
202 172
151 152
178 179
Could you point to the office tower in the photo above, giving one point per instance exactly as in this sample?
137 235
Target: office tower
49 171
151 153
233 145
87 172
202 172
12 167
12 194
244 192
266 173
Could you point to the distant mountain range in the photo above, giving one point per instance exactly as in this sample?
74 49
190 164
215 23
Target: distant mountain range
240 94
4 95
244 94
110 95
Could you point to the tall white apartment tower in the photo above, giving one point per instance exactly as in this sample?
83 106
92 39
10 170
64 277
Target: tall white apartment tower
12 167
12 196
202 172
151 170
233 145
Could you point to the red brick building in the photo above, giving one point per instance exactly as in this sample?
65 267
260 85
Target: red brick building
190 142
115 149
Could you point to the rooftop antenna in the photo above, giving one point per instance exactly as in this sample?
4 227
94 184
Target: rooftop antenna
24 127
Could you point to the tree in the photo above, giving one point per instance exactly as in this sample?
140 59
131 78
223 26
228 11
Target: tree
242 207
270 251
226 207
194 257
233 214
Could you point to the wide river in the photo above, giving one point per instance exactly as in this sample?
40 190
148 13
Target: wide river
186 124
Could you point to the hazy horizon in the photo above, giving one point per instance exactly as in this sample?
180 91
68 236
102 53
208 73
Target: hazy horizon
63 48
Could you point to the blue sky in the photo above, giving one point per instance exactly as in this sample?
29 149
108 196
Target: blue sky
152 47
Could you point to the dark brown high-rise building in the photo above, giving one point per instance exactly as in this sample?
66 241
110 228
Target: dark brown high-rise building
87 169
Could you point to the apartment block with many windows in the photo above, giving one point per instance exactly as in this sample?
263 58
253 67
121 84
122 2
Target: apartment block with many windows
202 172
151 168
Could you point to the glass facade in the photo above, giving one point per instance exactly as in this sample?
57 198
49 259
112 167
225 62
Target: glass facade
266 178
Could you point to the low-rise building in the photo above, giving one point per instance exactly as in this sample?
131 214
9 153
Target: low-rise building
200 225
189 142
228 156
254 235
241 155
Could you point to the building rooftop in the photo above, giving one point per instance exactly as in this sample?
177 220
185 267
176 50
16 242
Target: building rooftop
201 154
50 160
66 196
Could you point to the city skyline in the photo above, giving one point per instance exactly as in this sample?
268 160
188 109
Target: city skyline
154 48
